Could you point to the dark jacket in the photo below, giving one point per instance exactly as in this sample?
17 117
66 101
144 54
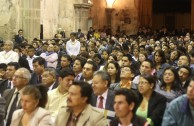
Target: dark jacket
156 107
136 121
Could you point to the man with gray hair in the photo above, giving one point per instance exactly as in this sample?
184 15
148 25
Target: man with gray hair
8 55
49 78
20 79
102 97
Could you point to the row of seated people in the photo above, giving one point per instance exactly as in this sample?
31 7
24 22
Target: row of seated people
70 103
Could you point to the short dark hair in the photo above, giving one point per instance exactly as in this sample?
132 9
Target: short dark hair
40 60
82 60
187 68
94 65
66 72
3 66
129 57
20 30
130 96
150 62
73 33
150 78
68 57
104 75
86 89
15 64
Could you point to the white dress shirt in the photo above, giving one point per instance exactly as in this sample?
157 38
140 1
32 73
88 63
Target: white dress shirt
7 57
73 48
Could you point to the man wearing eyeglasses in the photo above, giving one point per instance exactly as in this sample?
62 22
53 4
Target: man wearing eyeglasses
20 79
126 77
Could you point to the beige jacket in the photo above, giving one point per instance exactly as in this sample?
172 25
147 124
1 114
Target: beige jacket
40 117
89 117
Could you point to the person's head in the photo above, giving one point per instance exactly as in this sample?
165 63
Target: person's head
3 68
21 78
105 55
174 55
50 48
97 59
66 77
39 65
146 84
20 31
184 73
72 36
65 61
78 64
171 78
88 70
83 49
33 97
127 72
119 55
113 69
142 56
44 47
31 51
101 82
79 94
146 67
159 57
8 45
126 60
183 60
125 103
35 44
48 76
190 91
112 57
11 68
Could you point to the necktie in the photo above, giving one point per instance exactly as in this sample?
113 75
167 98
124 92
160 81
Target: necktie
100 104
39 79
12 109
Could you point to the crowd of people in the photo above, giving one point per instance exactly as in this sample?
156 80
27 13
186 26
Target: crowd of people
98 79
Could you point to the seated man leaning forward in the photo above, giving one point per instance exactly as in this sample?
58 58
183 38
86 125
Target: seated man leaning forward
78 111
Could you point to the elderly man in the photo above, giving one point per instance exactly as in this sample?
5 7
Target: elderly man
180 111
102 96
21 78
78 111
49 78
8 55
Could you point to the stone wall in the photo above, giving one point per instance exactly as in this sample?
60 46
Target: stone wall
124 16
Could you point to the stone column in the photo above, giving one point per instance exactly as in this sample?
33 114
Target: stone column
82 16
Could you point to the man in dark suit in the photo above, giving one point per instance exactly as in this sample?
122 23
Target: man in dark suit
21 78
19 38
102 96
7 83
78 65
79 34
39 66
2 111
49 78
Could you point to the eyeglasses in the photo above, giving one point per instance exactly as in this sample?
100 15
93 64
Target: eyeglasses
16 76
143 83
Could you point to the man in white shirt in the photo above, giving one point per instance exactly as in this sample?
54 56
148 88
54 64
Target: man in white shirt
73 46
31 56
8 55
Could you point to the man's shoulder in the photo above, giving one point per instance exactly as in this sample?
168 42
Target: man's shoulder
51 92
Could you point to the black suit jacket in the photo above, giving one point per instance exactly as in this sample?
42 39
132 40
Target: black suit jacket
34 79
2 111
156 107
3 86
109 101
19 39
